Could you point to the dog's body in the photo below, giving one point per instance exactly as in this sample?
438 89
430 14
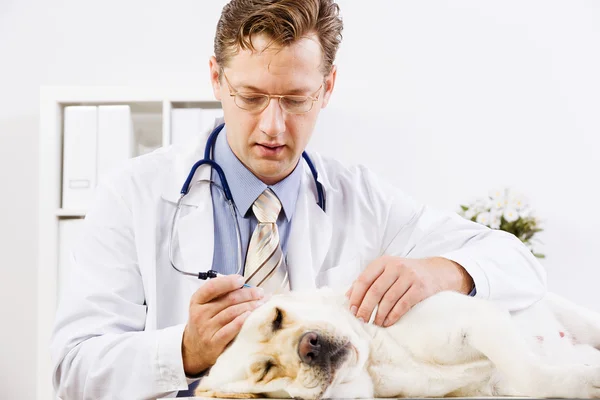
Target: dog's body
308 345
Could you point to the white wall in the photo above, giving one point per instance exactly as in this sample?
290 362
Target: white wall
448 99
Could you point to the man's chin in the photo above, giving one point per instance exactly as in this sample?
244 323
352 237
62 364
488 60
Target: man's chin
271 171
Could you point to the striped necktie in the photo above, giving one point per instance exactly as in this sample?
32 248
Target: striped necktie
265 266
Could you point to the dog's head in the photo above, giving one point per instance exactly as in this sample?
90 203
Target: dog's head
300 345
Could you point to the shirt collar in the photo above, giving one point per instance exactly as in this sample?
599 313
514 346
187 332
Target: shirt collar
246 187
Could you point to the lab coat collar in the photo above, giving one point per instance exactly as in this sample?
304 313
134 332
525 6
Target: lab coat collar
185 158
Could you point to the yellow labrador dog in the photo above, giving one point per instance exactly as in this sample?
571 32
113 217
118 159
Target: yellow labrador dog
309 346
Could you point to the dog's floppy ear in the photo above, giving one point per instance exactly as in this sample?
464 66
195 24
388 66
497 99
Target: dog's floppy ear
235 390
219 395
241 389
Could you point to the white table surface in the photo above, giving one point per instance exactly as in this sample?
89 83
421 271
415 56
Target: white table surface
405 398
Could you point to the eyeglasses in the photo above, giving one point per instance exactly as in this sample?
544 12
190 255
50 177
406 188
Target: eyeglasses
257 102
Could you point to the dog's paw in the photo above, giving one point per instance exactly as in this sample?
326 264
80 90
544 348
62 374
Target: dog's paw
593 382
220 395
581 381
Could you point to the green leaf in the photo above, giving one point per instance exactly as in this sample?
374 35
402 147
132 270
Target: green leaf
464 208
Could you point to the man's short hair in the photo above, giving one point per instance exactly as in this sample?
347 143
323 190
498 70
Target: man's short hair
283 22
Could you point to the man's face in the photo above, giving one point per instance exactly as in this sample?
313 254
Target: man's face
270 142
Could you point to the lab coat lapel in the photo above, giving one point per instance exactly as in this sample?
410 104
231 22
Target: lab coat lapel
194 230
309 238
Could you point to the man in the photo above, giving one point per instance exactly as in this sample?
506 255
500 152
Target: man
132 326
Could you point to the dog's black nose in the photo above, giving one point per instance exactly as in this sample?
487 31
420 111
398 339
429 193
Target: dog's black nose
310 348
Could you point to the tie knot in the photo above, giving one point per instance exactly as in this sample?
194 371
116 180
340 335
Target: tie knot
267 207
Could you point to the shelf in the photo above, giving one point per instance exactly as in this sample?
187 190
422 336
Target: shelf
151 109
66 213
196 104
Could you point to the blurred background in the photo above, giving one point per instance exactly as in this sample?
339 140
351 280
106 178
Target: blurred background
447 99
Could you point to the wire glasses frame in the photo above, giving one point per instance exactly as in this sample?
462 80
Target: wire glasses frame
257 102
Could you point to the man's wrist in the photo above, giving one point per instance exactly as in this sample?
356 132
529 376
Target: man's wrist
468 285
193 364
192 367
459 279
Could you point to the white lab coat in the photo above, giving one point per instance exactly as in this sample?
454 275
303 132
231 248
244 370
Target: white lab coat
120 322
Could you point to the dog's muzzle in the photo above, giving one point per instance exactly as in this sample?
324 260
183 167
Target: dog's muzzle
315 349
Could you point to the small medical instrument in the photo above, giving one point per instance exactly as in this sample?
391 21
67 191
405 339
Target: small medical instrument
224 188
211 273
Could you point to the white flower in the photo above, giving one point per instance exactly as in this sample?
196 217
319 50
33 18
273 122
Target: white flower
511 214
479 205
470 213
498 204
497 194
495 220
525 212
484 218
489 204
517 201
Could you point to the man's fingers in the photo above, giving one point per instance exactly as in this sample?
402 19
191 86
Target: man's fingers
391 297
227 333
349 292
406 302
232 312
364 281
376 293
217 287
237 296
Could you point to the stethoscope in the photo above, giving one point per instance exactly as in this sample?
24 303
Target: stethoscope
224 188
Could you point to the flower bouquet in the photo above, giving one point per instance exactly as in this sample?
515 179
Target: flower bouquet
507 211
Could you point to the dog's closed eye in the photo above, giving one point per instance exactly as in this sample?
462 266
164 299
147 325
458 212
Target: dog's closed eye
267 367
278 321
273 323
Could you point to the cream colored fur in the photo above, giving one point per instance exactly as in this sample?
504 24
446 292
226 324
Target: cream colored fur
448 345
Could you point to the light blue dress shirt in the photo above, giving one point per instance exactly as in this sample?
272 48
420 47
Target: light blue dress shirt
245 189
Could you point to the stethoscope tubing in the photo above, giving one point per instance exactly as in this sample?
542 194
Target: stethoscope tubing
224 188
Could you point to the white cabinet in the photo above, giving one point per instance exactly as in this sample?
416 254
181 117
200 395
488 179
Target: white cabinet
150 111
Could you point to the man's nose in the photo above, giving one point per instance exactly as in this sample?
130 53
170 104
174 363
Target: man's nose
271 119
310 348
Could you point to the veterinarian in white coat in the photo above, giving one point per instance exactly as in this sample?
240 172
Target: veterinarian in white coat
120 325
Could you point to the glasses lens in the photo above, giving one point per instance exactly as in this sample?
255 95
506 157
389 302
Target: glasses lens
296 104
251 102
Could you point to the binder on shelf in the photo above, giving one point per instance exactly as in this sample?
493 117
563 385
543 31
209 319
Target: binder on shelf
147 132
115 137
186 123
79 156
208 117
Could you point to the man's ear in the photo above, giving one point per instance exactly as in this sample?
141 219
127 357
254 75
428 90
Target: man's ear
215 75
329 85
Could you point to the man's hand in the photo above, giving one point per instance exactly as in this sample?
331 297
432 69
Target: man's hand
218 310
397 284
